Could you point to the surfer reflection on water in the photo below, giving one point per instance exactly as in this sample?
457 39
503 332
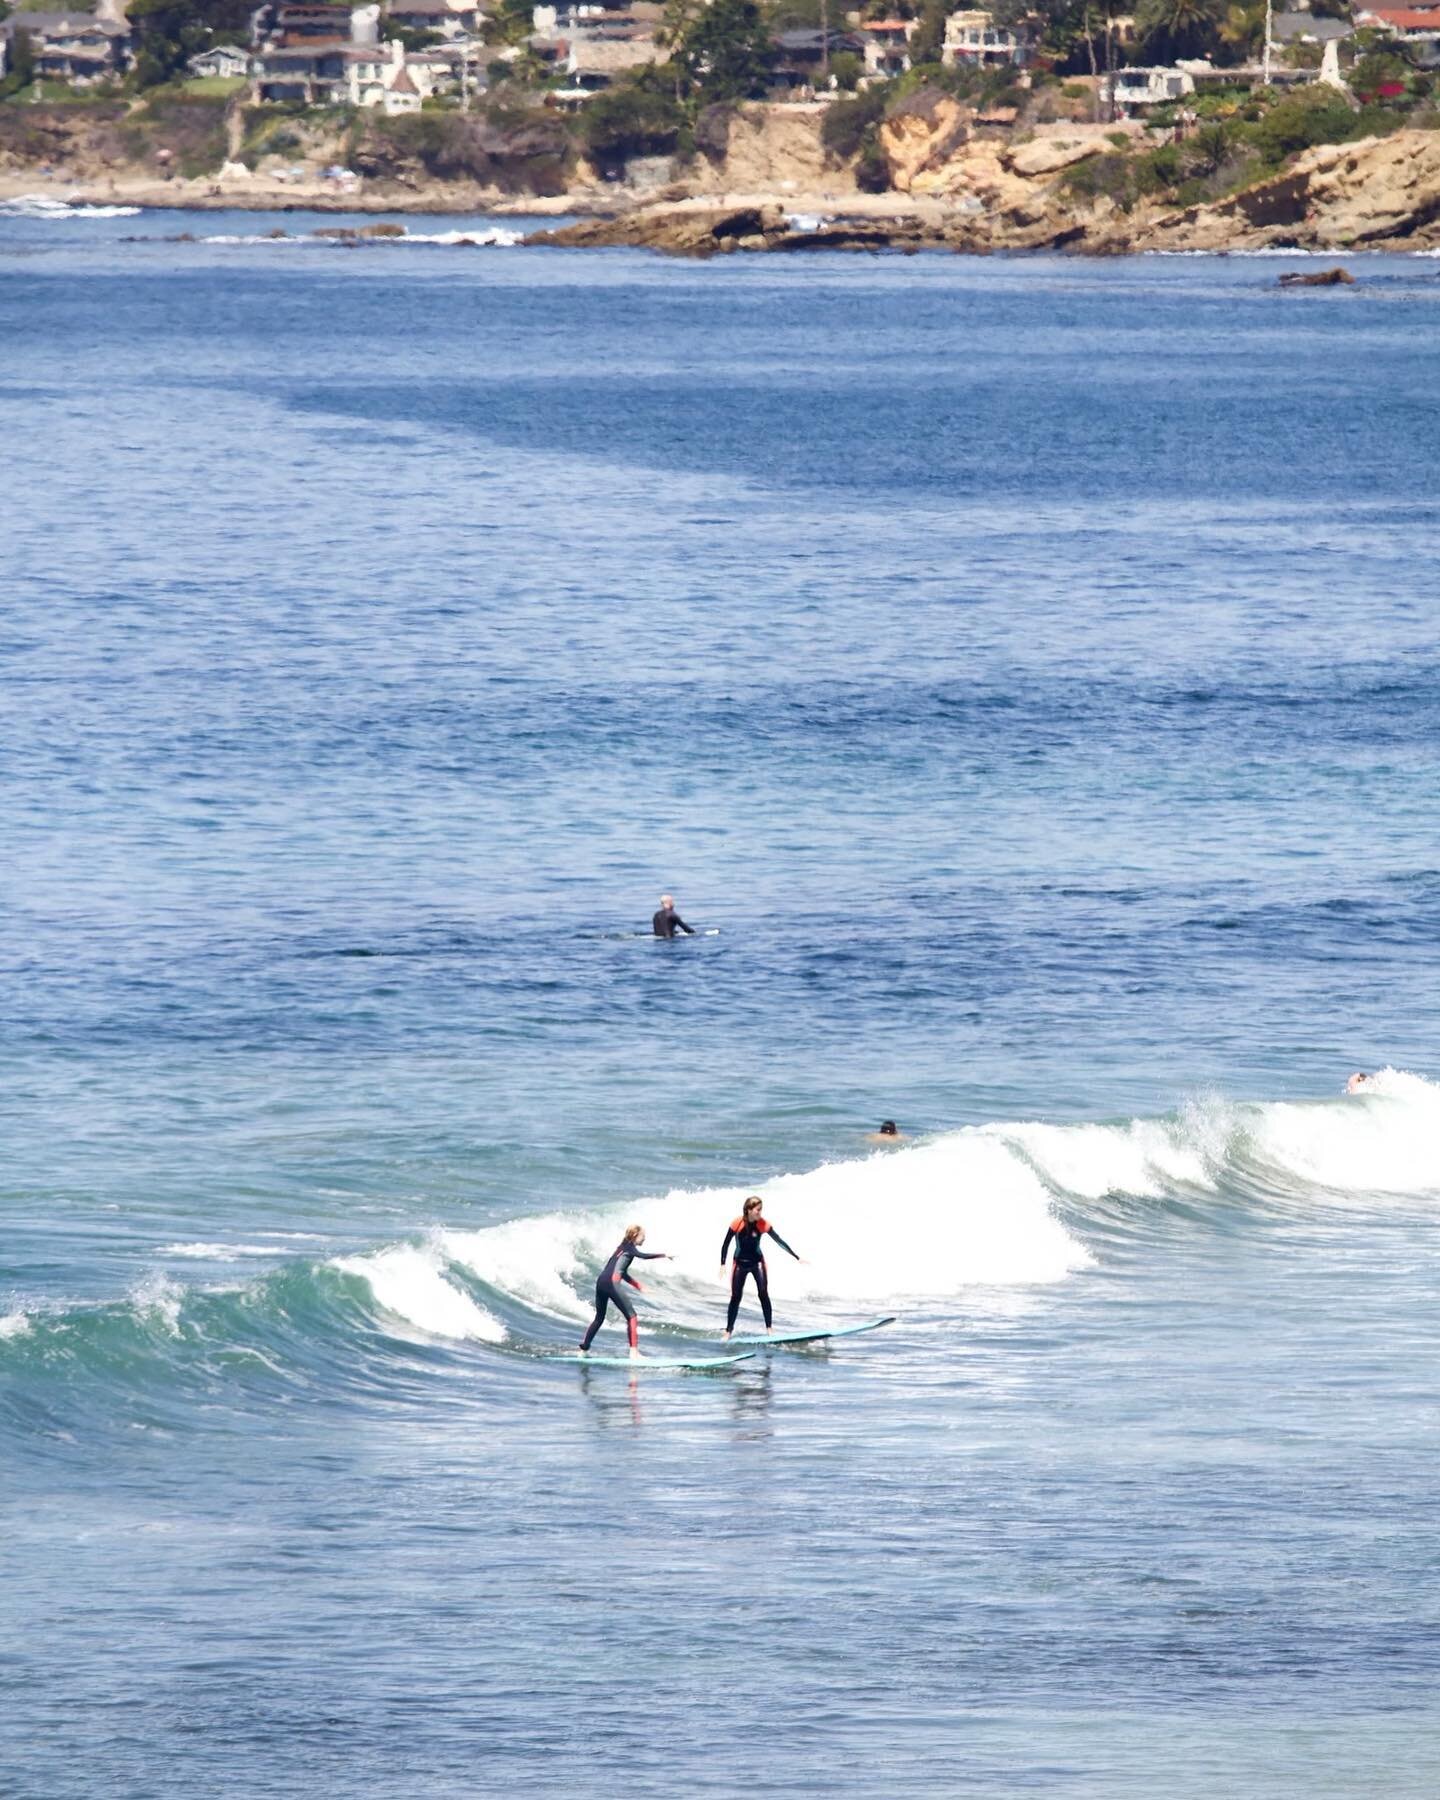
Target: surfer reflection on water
748 1234
608 1290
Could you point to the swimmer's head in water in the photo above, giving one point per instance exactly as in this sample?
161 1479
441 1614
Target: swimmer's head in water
667 899
751 1208
635 1234
887 1128
1356 1082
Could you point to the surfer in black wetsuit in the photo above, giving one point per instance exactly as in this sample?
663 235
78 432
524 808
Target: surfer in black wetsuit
667 921
608 1289
748 1234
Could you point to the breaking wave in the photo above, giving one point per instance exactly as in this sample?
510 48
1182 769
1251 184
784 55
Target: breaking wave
42 206
925 1228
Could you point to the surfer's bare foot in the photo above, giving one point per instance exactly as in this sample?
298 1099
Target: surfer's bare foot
635 1356
725 1337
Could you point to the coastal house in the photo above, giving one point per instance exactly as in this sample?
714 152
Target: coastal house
974 38
228 62
803 56
383 77
1130 91
292 26
887 45
1308 28
77 47
305 53
447 18
1417 26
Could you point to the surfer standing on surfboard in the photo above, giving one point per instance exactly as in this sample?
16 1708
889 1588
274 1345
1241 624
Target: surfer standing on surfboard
748 1233
608 1289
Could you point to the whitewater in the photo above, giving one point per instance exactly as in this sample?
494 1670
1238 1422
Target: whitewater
937 1229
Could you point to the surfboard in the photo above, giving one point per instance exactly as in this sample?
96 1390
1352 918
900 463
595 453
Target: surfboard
656 1362
810 1337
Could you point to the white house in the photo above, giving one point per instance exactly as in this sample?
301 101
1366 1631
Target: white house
381 76
1128 90
974 37
228 61
887 45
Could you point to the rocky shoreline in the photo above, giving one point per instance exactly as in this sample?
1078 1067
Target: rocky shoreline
1373 194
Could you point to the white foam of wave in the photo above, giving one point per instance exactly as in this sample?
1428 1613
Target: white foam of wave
44 206
933 1220
14 1324
408 1282
1384 1140
159 1298
218 1252
495 237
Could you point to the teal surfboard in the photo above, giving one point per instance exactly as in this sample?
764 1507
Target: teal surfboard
656 1362
812 1337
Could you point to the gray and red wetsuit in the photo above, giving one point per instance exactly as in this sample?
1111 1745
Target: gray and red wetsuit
607 1289
748 1236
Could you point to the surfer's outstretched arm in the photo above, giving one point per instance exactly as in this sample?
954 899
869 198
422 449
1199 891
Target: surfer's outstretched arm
776 1238
725 1247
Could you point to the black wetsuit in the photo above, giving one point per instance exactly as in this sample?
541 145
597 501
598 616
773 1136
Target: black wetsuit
748 1236
667 922
607 1288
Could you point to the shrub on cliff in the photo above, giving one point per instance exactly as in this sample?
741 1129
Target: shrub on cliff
190 128
1304 117
846 122
637 119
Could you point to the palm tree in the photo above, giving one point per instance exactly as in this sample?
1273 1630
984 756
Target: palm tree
1170 28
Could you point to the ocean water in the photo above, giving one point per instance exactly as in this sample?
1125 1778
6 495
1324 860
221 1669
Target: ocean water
1027 670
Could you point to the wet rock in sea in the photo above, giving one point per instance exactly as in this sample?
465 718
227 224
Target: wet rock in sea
1320 278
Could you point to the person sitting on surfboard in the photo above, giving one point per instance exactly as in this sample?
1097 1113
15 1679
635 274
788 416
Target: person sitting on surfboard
748 1233
607 1287
667 921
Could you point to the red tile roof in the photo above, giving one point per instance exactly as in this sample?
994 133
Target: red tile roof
1405 18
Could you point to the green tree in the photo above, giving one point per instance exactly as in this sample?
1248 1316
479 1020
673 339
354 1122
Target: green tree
1171 28
21 71
846 68
1242 29
169 32
928 37
726 53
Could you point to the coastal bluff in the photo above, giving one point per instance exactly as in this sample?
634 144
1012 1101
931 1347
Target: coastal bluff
1372 194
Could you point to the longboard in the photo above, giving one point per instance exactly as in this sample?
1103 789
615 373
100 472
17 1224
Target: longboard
656 1362
812 1337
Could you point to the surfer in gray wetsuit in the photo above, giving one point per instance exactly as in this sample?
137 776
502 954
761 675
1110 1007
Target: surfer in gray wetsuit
667 921
608 1290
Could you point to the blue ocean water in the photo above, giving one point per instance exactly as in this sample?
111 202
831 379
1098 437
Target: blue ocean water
1027 669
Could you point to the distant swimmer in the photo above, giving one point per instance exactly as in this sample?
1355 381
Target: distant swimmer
748 1233
667 921
608 1289
889 1133
1358 1082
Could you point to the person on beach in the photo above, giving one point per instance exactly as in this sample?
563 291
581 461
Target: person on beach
748 1234
889 1133
608 1289
667 921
